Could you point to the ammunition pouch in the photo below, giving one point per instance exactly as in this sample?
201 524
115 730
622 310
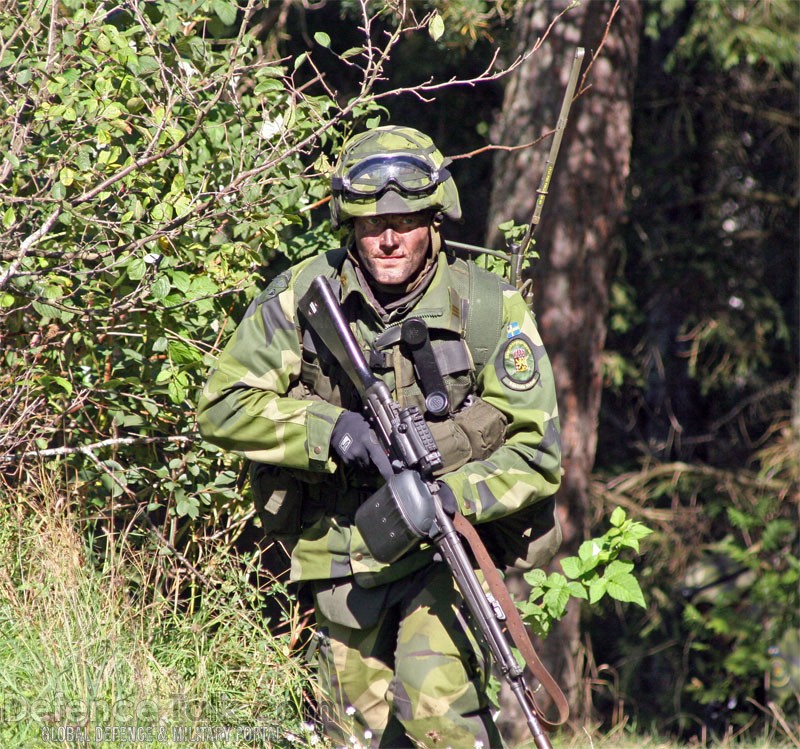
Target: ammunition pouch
396 517
483 424
531 536
286 501
474 432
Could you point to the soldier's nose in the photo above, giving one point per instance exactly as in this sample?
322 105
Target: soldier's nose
388 238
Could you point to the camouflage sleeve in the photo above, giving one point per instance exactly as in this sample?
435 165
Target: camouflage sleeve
245 406
517 380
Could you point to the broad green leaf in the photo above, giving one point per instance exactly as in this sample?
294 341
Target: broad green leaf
576 590
47 311
589 553
624 587
183 353
160 288
436 27
66 176
573 567
267 85
226 478
618 567
321 38
111 112
136 268
188 506
536 577
555 601
597 589
178 387
225 11
62 382
352 52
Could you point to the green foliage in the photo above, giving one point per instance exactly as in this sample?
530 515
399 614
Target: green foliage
723 573
745 596
595 573
733 33
695 437
152 160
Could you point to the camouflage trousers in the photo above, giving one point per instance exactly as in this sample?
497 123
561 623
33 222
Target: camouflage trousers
401 667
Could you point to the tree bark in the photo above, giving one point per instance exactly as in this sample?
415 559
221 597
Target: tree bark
576 236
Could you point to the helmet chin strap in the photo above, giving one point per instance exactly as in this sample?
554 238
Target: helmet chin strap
435 235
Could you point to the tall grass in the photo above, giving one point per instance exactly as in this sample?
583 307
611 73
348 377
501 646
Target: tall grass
86 655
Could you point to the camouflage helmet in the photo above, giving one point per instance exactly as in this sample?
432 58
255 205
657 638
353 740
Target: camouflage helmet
391 169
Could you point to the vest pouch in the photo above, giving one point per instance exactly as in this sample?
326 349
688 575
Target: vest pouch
396 517
526 539
483 424
452 442
279 499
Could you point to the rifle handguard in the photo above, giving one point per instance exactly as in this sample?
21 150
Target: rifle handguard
396 517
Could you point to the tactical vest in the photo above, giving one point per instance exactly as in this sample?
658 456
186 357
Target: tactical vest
471 429
291 501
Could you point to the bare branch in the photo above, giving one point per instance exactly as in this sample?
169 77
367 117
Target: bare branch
27 245
54 452
583 87
494 147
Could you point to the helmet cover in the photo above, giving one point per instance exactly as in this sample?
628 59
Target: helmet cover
391 169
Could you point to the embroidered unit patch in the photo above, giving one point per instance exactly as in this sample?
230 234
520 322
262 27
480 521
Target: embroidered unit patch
519 364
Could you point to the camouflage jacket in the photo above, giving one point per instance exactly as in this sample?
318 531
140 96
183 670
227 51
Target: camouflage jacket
262 402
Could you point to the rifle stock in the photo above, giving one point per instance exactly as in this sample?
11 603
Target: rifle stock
408 440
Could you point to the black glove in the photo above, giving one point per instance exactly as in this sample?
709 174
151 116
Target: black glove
357 445
447 498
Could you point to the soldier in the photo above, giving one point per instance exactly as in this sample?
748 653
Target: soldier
397 661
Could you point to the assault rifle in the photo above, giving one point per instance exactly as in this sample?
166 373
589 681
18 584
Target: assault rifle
407 509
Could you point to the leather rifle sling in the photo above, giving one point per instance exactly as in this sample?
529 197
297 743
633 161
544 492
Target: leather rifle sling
514 624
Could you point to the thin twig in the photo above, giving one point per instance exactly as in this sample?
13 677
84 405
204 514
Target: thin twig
583 88
494 147
52 452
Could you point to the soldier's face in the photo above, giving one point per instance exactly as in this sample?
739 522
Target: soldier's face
393 246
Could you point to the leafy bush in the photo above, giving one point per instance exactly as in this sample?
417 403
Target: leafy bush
595 573
716 647
153 158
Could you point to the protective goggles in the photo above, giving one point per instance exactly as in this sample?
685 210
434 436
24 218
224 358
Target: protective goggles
408 173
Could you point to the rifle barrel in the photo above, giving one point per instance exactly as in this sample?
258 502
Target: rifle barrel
319 298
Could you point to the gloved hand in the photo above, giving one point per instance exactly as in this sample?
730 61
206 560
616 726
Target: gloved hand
357 445
447 498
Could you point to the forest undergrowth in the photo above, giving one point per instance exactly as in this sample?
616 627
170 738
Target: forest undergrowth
92 653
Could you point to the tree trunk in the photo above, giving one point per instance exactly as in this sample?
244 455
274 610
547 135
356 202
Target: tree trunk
576 236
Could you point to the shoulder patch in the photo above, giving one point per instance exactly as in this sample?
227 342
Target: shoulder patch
517 366
277 285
